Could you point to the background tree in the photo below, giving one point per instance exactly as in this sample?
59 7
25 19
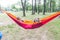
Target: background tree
38 6
50 1
13 8
44 7
53 5
58 6
33 10
35 6
23 2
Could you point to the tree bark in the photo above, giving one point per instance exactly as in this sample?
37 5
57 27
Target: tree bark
38 6
33 11
44 7
35 7
23 6
50 6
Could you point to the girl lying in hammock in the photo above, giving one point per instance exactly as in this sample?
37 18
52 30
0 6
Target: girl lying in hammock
19 19
37 20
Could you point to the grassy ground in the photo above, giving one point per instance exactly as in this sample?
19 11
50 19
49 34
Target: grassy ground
11 31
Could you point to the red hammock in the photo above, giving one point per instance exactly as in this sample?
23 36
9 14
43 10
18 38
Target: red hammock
28 24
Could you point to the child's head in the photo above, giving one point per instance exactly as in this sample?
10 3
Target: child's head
18 18
37 18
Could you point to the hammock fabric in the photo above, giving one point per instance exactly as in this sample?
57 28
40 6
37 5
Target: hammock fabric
29 24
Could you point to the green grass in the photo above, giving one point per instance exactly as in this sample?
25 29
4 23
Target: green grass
15 32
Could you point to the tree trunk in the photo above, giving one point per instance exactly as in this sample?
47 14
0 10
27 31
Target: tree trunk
38 6
35 7
33 11
44 7
50 6
23 6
